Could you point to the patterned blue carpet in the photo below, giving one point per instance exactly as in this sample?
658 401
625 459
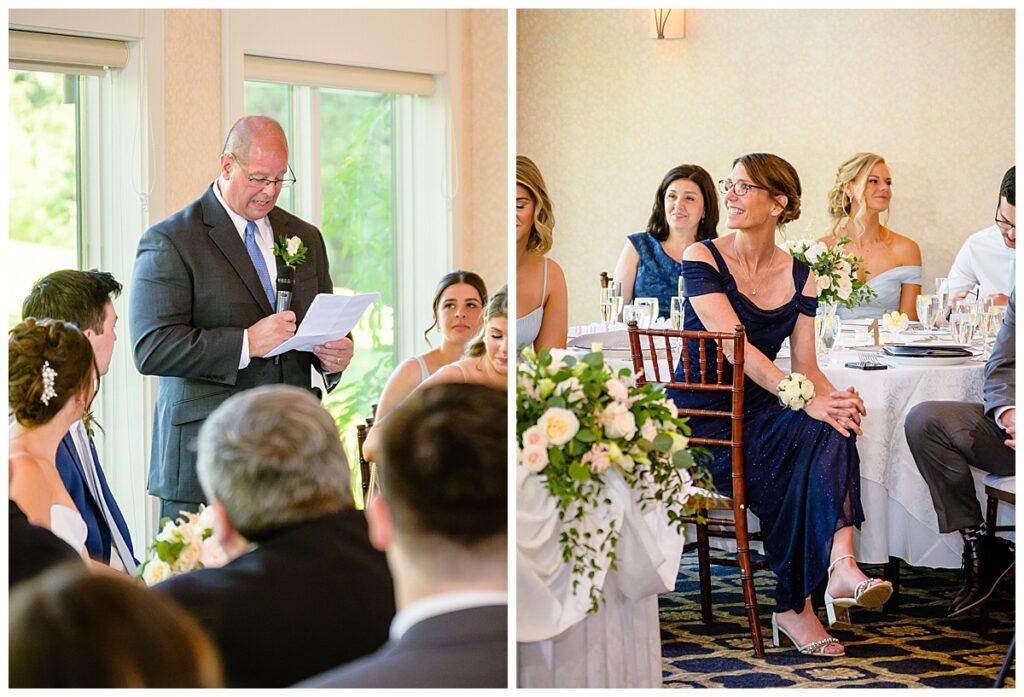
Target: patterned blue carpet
914 647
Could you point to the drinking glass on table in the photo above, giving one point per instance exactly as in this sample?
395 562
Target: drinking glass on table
826 333
650 311
942 293
615 291
633 313
679 286
928 310
962 321
608 307
676 312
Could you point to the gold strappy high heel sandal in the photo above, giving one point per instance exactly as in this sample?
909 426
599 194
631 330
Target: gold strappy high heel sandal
815 648
870 593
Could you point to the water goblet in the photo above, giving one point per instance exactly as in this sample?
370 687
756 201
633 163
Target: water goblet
928 310
651 310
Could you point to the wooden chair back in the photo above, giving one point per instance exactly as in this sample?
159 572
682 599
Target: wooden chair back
605 279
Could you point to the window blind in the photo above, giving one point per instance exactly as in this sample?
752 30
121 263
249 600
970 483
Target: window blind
309 73
29 50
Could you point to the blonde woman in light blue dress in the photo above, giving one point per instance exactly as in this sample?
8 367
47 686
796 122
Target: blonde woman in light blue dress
892 262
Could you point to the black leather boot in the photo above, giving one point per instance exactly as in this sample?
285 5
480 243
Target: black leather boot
985 563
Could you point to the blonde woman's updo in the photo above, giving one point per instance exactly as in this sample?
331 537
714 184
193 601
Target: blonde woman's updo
529 177
496 307
68 352
854 172
778 177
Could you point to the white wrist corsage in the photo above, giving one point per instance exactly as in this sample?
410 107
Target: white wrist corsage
794 391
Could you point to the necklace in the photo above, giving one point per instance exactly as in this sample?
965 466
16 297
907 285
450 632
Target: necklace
750 275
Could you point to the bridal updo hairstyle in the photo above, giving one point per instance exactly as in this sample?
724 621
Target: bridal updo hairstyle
33 343
529 177
451 279
778 177
497 307
854 172
707 229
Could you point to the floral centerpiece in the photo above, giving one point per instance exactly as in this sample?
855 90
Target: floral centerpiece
576 420
835 271
182 545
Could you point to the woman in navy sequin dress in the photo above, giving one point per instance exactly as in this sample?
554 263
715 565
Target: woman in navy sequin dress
685 211
802 468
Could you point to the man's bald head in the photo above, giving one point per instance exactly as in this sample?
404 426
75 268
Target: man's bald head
262 130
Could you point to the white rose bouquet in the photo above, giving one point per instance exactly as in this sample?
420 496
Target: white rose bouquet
182 545
795 391
835 271
576 420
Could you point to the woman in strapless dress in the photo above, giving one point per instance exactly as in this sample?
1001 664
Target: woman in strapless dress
892 262
52 381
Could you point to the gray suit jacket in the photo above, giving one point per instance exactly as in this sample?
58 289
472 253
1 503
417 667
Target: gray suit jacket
194 291
1000 381
468 648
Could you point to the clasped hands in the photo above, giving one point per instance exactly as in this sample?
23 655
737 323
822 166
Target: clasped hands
1008 422
273 330
843 410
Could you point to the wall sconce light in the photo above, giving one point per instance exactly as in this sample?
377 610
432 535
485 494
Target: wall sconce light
668 24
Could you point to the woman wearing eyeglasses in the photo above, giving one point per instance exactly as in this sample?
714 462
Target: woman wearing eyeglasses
685 211
802 472
892 262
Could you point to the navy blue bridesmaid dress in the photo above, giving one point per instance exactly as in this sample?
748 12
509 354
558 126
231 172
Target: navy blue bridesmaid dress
802 476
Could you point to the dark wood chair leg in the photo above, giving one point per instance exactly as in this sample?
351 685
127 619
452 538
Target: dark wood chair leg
750 595
892 574
704 572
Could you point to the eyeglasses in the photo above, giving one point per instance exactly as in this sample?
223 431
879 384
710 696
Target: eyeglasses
262 182
741 188
1004 224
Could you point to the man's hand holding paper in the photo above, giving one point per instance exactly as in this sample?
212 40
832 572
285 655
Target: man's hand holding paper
323 330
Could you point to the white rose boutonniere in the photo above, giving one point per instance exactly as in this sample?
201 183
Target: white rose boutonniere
291 250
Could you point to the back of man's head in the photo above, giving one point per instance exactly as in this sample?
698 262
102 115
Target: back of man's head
79 297
1008 188
443 472
273 458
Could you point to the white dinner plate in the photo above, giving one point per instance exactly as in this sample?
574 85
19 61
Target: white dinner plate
924 361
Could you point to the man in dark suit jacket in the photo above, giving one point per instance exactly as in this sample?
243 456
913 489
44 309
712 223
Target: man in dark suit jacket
312 593
947 439
85 298
203 299
442 520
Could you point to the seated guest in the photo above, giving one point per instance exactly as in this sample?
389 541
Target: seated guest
442 520
458 309
312 593
84 298
685 211
52 379
69 628
892 262
947 439
486 363
32 549
540 282
988 258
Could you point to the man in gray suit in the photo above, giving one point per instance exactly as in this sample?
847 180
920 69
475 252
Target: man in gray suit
442 521
947 439
203 298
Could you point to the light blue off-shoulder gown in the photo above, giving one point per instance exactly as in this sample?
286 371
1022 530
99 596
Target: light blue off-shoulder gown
888 285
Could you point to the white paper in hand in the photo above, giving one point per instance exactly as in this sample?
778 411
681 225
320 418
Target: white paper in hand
329 317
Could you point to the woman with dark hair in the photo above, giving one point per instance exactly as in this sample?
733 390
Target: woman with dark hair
70 628
802 470
685 211
52 378
458 307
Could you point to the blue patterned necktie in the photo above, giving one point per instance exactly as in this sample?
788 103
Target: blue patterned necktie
258 261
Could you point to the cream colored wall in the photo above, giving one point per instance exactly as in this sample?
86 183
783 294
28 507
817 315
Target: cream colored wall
192 103
605 111
483 180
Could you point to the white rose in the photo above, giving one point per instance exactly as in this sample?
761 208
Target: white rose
815 251
534 457
822 282
791 391
207 518
845 288
535 435
156 571
170 533
807 390
843 267
293 245
673 410
189 556
617 390
560 425
571 389
557 360
618 421
649 431
213 555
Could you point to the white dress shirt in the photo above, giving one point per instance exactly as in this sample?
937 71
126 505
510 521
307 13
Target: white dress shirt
265 241
984 260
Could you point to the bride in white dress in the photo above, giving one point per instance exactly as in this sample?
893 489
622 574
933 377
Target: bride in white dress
52 380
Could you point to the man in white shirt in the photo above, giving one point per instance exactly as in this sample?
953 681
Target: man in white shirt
442 521
987 260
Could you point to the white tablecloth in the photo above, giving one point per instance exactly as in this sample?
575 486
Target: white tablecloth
559 644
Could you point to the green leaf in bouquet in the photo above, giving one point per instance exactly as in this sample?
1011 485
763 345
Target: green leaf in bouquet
682 459
579 472
585 435
562 375
625 372
594 360
163 521
556 402
555 457
663 443
169 551
544 359
569 361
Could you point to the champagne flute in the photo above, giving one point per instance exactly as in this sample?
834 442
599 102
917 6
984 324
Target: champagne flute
679 286
942 292
676 314
962 326
615 291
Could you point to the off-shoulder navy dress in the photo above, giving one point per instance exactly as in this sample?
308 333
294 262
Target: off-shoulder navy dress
802 476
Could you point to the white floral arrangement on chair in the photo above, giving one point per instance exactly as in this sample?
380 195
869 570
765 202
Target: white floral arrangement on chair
182 545
575 420
835 271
